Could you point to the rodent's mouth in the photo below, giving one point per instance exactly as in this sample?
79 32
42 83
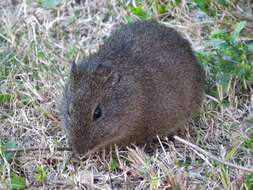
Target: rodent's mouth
81 148
78 147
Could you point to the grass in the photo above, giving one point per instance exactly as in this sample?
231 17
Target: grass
37 44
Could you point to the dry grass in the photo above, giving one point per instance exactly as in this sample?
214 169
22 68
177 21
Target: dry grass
36 46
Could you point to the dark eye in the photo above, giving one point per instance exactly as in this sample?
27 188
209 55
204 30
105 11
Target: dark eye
97 113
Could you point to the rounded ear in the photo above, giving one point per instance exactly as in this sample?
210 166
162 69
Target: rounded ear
106 75
75 73
103 71
73 68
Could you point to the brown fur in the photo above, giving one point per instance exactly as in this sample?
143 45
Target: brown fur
145 79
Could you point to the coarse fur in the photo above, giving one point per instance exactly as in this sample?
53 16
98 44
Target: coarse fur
145 81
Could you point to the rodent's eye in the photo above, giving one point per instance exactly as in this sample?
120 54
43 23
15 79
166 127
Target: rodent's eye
97 113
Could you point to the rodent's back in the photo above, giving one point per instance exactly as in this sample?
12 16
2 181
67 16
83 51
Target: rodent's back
165 69
138 39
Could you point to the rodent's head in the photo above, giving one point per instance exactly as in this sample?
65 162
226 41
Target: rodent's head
85 107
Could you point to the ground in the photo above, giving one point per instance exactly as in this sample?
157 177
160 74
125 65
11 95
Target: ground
37 44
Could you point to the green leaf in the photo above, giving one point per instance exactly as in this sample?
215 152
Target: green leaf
223 79
139 12
6 98
204 5
40 173
238 28
41 55
250 47
224 176
5 146
248 143
231 153
154 183
218 34
248 182
17 182
223 2
178 2
128 19
161 9
49 4
114 165
216 43
71 52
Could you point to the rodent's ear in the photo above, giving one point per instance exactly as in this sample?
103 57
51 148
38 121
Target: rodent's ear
106 74
75 73
103 71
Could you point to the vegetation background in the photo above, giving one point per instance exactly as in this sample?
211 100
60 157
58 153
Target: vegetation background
38 40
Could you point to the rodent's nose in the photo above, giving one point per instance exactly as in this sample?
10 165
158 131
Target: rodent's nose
77 144
79 148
